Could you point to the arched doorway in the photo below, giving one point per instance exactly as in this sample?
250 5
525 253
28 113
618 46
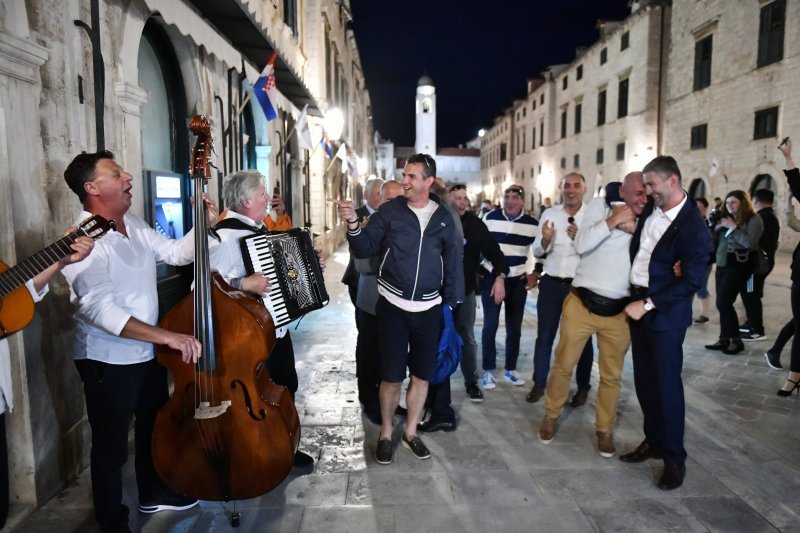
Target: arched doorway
165 154
763 181
697 189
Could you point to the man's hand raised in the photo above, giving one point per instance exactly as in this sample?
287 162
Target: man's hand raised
346 210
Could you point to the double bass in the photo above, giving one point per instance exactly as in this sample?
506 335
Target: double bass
227 432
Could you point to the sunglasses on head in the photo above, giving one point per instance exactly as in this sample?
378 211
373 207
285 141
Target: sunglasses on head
458 187
515 190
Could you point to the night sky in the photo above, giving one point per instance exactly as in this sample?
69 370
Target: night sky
479 54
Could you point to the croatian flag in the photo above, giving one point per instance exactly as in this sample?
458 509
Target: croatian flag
326 145
265 90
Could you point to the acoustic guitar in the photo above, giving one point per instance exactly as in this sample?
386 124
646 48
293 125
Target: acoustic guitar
16 304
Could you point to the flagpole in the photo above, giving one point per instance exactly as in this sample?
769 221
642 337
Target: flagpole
240 109
329 165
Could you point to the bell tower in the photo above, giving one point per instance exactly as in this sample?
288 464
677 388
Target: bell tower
426 116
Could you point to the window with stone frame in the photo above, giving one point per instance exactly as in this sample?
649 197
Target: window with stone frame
766 123
622 99
698 137
601 107
771 32
702 62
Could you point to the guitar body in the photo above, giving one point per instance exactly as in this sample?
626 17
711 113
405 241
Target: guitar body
16 309
16 303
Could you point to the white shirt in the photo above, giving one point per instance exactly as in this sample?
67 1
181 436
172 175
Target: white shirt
654 228
6 384
605 264
226 258
562 259
116 282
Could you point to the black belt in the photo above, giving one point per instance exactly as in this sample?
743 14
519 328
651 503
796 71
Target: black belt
638 292
565 281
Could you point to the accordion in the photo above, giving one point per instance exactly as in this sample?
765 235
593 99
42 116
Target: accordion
288 260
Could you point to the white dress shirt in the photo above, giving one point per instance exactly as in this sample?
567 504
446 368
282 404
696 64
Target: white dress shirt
605 264
116 282
226 258
562 259
654 228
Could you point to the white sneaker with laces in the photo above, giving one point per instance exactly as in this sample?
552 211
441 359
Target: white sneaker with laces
512 377
488 381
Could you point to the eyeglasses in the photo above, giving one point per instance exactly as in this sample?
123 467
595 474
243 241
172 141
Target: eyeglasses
519 191
458 187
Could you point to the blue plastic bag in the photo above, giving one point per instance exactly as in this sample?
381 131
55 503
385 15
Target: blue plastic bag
449 356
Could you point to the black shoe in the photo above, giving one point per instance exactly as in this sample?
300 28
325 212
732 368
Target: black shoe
734 347
169 501
643 452
579 398
672 478
795 387
384 452
721 344
435 424
745 328
474 393
417 447
702 319
773 360
302 459
401 411
535 394
754 335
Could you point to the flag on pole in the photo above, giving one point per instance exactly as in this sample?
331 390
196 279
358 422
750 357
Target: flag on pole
351 164
326 145
265 90
303 132
341 154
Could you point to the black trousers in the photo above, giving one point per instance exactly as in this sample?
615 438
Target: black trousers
281 364
752 302
731 280
114 394
794 363
3 472
368 361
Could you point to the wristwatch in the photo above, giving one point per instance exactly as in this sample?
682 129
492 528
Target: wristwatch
648 305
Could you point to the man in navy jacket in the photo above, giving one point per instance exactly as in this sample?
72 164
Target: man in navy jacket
420 270
669 231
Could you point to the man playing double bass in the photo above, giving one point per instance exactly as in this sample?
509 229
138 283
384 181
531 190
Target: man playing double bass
114 290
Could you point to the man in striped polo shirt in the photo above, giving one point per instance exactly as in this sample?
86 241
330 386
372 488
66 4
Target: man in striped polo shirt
514 231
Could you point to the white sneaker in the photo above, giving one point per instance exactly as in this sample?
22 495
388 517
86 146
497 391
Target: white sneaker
512 377
488 381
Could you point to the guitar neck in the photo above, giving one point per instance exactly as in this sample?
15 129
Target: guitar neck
29 268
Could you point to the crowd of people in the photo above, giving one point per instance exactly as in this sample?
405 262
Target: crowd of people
623 268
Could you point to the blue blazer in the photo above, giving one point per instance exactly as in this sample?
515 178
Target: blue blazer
687 239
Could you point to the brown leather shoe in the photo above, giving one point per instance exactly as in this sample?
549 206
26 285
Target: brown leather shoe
579 399
672 478
605 444
547 431
643 452
535 394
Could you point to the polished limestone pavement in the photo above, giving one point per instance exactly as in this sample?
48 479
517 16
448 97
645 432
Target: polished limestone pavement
492 474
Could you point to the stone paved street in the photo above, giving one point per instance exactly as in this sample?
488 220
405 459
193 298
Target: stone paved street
492 474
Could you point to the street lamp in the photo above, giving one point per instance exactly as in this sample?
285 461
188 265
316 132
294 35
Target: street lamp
481 132
334 124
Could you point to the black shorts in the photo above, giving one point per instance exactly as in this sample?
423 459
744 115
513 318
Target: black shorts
398 330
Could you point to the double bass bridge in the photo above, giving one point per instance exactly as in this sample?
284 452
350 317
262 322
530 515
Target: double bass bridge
207 411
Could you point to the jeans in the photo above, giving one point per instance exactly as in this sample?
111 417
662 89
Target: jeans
552 293
465 326
516 294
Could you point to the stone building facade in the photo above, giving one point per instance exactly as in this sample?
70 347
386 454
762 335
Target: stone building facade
128 78
598 115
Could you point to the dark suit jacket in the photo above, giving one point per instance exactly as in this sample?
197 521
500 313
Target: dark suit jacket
686 239
350 276
793 176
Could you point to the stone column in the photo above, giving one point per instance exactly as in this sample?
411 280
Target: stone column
131 98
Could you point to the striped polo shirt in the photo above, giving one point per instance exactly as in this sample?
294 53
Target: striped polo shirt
515 237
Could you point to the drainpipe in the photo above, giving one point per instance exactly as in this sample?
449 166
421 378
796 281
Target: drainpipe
98 72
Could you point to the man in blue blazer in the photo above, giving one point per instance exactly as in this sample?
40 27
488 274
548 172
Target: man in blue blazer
669 231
